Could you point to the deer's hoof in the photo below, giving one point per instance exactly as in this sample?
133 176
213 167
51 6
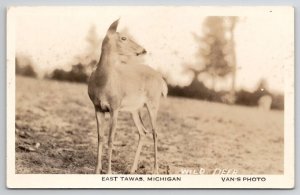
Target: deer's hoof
98 171
155 171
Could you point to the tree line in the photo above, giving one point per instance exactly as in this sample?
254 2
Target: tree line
216 59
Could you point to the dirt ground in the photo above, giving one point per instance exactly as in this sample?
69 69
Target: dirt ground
56 133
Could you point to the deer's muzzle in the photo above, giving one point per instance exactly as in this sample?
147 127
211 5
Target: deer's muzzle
142 52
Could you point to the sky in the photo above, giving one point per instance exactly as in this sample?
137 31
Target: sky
54 36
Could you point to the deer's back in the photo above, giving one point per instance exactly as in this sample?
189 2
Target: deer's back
138 85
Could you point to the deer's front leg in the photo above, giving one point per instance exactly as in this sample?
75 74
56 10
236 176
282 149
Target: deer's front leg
113 125
100 124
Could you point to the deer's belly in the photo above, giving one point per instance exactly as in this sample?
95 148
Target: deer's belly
132 103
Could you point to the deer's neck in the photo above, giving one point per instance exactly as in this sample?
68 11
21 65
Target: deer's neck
104 68
108 59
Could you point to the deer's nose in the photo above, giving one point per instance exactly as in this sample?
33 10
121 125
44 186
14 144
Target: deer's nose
144 51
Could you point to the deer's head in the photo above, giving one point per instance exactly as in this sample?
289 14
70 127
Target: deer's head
121 43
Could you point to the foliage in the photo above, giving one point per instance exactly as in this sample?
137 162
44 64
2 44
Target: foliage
197 90
214 51
76 74
24 66
251 99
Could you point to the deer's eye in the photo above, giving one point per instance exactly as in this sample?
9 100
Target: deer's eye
123 38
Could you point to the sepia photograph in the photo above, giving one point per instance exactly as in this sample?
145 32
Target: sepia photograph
151 94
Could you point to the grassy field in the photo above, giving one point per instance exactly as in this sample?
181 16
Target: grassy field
56 133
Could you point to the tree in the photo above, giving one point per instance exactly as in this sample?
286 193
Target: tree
214 50
231 21
92 52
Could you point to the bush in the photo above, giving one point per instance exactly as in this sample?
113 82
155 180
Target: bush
244 97
25 69
76 74
195 90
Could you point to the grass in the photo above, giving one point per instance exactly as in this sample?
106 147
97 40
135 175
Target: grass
56 133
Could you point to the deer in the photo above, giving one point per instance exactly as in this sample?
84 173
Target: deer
114 87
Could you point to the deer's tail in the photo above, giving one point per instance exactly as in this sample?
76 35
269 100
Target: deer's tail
164 88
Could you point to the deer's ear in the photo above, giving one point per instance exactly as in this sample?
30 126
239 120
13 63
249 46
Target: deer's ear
113 27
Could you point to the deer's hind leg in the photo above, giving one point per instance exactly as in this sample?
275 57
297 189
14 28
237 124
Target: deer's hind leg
152 110
100 123
140 128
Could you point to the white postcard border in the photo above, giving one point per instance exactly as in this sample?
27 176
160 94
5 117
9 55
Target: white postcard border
187 181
